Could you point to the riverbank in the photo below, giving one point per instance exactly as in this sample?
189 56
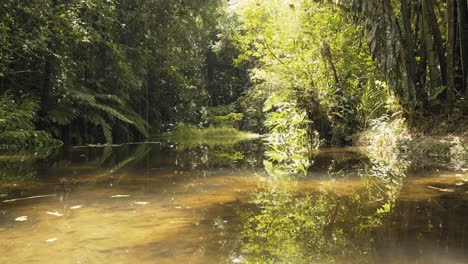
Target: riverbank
392 139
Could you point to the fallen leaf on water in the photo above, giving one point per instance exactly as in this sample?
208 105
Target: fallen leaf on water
120 196
54 213
21 218
53 239
76 207
142 203
440 189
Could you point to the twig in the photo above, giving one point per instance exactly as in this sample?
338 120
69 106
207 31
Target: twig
27 198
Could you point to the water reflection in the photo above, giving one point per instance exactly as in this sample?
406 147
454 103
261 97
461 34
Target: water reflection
217 203
203 159
23 165
290 226
286 222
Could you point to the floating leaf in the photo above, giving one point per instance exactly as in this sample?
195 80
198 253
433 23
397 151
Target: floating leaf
120 196
52 239
21 218
54 213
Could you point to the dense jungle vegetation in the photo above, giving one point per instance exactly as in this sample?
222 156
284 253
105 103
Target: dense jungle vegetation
316 72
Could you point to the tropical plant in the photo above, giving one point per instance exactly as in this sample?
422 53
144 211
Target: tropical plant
17 130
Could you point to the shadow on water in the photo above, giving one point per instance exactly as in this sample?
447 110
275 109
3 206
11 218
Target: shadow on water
239 202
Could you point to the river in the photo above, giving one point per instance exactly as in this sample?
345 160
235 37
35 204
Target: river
174 203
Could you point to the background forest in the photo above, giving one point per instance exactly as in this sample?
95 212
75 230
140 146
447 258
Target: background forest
86 72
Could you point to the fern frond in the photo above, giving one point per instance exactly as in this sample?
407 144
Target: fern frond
111 97
86 97
113 113
17 113
17 130
62 114
105 126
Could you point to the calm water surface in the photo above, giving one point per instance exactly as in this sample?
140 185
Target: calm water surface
170 203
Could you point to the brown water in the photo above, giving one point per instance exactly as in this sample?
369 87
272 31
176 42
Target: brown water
163 203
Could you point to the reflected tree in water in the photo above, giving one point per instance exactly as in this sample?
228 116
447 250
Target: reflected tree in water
285 225
291 227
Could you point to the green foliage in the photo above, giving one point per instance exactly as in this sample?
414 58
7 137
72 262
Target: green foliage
17 130
288 140
459 153
419 51
107 66
230 120
124 70
385 137
223 116
310 55
97 109
251 105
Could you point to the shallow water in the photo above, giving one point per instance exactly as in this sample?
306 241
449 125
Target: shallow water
169 203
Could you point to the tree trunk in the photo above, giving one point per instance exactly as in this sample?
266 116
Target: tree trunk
407 52
326 52
438 46
48 70
408 40
451 27
422 66
430 52
462 8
